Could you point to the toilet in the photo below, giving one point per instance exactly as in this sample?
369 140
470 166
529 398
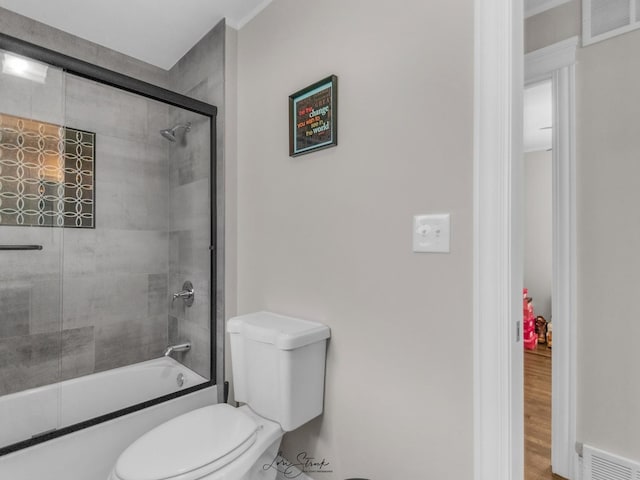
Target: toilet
278 373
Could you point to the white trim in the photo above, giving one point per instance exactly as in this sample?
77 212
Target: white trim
557 63
587 39
250 16
540 64
563 456
497 241
543 7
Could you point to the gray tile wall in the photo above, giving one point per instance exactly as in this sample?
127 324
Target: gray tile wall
199 74
30 300
189 240
115 278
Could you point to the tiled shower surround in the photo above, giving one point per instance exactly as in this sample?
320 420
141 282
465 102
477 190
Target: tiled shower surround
96 299
199 74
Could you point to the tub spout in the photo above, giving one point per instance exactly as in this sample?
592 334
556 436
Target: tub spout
182 347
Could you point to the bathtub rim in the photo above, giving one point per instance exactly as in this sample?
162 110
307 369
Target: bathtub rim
92 452
106 417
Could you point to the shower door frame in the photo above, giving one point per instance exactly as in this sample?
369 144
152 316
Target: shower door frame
102 75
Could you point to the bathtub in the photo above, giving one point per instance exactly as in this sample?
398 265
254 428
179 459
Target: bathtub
42 409
38 410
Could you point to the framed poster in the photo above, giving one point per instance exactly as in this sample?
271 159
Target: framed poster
313 117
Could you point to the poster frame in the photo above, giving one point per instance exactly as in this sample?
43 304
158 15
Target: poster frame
328 83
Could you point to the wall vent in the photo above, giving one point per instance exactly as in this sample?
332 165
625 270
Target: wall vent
603 19
599 465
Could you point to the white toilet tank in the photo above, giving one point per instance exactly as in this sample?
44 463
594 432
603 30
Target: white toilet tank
278 366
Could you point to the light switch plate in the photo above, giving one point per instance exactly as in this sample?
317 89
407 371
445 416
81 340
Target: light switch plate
432 233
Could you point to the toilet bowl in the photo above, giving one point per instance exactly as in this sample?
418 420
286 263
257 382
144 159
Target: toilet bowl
278 371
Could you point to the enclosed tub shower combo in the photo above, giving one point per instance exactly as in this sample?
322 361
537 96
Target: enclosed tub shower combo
108 248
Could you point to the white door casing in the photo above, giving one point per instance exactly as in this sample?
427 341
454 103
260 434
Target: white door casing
498 241
557 63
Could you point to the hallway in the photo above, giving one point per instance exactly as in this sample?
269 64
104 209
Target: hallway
537 417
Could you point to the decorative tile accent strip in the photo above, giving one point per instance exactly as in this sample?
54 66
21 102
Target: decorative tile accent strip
46 174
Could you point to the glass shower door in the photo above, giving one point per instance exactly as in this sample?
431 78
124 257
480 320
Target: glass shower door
105 213
31 171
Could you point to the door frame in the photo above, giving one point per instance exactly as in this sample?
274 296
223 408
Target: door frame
557 64
498 245
498 240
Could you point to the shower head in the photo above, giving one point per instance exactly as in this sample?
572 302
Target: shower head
170 133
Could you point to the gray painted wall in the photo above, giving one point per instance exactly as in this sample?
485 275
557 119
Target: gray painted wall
607 147
552 26
327 236
537 230
230 179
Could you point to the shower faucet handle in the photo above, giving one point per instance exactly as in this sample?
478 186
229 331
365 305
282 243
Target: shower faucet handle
187 294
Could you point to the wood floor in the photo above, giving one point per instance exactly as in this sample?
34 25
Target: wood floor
537 415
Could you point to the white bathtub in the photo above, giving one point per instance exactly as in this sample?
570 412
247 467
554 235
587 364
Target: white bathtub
38 410
90 453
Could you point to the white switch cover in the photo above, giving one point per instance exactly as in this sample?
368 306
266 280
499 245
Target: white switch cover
432 233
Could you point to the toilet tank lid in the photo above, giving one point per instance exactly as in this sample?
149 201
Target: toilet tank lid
285 333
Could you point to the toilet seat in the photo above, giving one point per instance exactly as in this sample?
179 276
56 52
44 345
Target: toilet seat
208 439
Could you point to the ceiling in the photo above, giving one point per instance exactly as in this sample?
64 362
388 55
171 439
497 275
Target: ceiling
158 32
538 117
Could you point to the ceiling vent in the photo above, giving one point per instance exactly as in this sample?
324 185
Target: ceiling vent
599 465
